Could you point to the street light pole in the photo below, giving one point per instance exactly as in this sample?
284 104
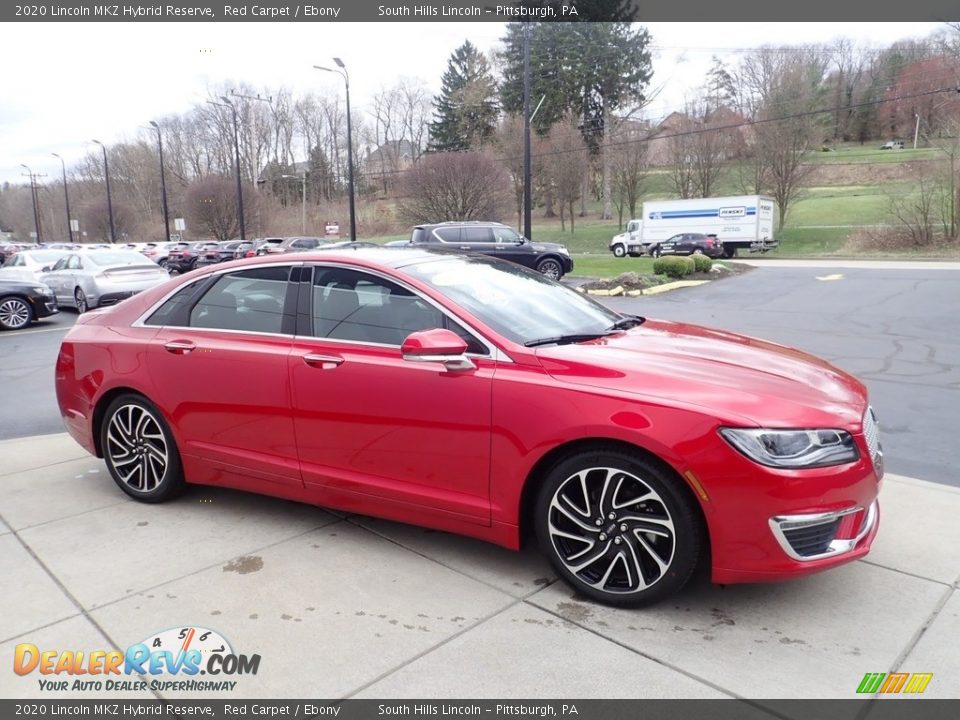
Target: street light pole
236 150
66 195
916 130
163 184
350 189
35 200
106 173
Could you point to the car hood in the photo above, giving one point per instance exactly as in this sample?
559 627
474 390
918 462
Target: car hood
741 380
546 247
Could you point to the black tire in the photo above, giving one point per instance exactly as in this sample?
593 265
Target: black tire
660 540
697 251
551 268
15 313
162 262
655 251
729 252
619 251
140 451
80 298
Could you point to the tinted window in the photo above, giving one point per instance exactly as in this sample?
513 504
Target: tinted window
304 244
506 235
61 264
476 235
176 308
450 235
418 235
249 300
73 263
352 305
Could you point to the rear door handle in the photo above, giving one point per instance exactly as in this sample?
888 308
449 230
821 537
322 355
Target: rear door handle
179 347
323 362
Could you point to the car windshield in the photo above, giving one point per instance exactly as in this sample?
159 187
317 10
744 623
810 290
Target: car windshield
116 257
44 257
520 304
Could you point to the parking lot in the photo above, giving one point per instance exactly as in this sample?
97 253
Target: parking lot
347 606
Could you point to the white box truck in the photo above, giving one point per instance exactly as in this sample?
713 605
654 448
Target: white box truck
741 222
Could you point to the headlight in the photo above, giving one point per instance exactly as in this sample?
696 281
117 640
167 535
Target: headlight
42 289
793 448
563 251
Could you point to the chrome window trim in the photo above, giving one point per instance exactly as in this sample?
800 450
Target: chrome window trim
495 353
141 320
836 547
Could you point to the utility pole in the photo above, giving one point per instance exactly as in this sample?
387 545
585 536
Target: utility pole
527 185
66 196
342 72
163 184
35 199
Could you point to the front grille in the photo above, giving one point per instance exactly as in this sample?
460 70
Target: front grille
808 540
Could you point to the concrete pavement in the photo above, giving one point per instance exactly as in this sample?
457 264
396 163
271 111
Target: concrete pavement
348 606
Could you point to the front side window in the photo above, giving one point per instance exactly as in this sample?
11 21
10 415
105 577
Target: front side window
61 263
506 235
246 301
353 305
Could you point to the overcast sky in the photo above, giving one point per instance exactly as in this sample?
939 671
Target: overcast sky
65 83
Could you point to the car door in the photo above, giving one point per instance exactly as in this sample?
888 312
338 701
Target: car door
510 245
219 368
377 433
58 280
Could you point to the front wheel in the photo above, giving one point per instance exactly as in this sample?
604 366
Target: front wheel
140 451
619 251
80 298
550 268
656 252
15 313
618 528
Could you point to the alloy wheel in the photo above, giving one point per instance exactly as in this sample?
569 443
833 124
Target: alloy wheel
550 269
136 448
14 313
81 299
611 530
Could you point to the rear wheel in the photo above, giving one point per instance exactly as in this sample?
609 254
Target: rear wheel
80 298
618 528
729 251
15 313
140 451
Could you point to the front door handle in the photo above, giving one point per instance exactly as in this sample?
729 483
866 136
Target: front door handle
323 362
179 347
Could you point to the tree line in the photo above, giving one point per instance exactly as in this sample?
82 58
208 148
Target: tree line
458 155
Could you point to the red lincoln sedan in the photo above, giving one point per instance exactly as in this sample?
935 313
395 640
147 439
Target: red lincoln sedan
472 395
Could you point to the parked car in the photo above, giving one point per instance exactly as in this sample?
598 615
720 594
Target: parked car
246 248
892 145
290 244
30 265
8 250
221 253
496 240
86 280
22 302
160 252
262 246
471 395
183 258
689 244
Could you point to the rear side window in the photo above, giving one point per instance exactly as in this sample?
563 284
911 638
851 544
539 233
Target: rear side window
477 235
449 235
418 235
246 301
176 310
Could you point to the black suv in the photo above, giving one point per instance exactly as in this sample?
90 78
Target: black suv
496 240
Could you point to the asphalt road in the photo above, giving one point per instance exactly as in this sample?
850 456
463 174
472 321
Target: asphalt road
898 330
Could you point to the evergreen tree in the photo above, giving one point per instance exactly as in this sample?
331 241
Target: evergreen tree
465 111
720 88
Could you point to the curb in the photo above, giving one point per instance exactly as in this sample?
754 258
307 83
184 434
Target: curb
655 290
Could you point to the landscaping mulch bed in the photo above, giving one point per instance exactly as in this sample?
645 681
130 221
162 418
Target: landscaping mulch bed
636 281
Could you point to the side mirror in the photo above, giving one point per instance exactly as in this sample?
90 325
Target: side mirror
437 346
45 268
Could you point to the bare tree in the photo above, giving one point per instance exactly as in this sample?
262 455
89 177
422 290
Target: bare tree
566 163
630 167
211 205
916 211
453 186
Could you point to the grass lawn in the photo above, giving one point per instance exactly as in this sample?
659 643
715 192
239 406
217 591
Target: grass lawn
608 266
871 152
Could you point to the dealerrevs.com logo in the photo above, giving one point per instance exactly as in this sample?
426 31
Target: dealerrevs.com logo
172 660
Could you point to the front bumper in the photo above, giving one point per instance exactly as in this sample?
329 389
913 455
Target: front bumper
44 306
